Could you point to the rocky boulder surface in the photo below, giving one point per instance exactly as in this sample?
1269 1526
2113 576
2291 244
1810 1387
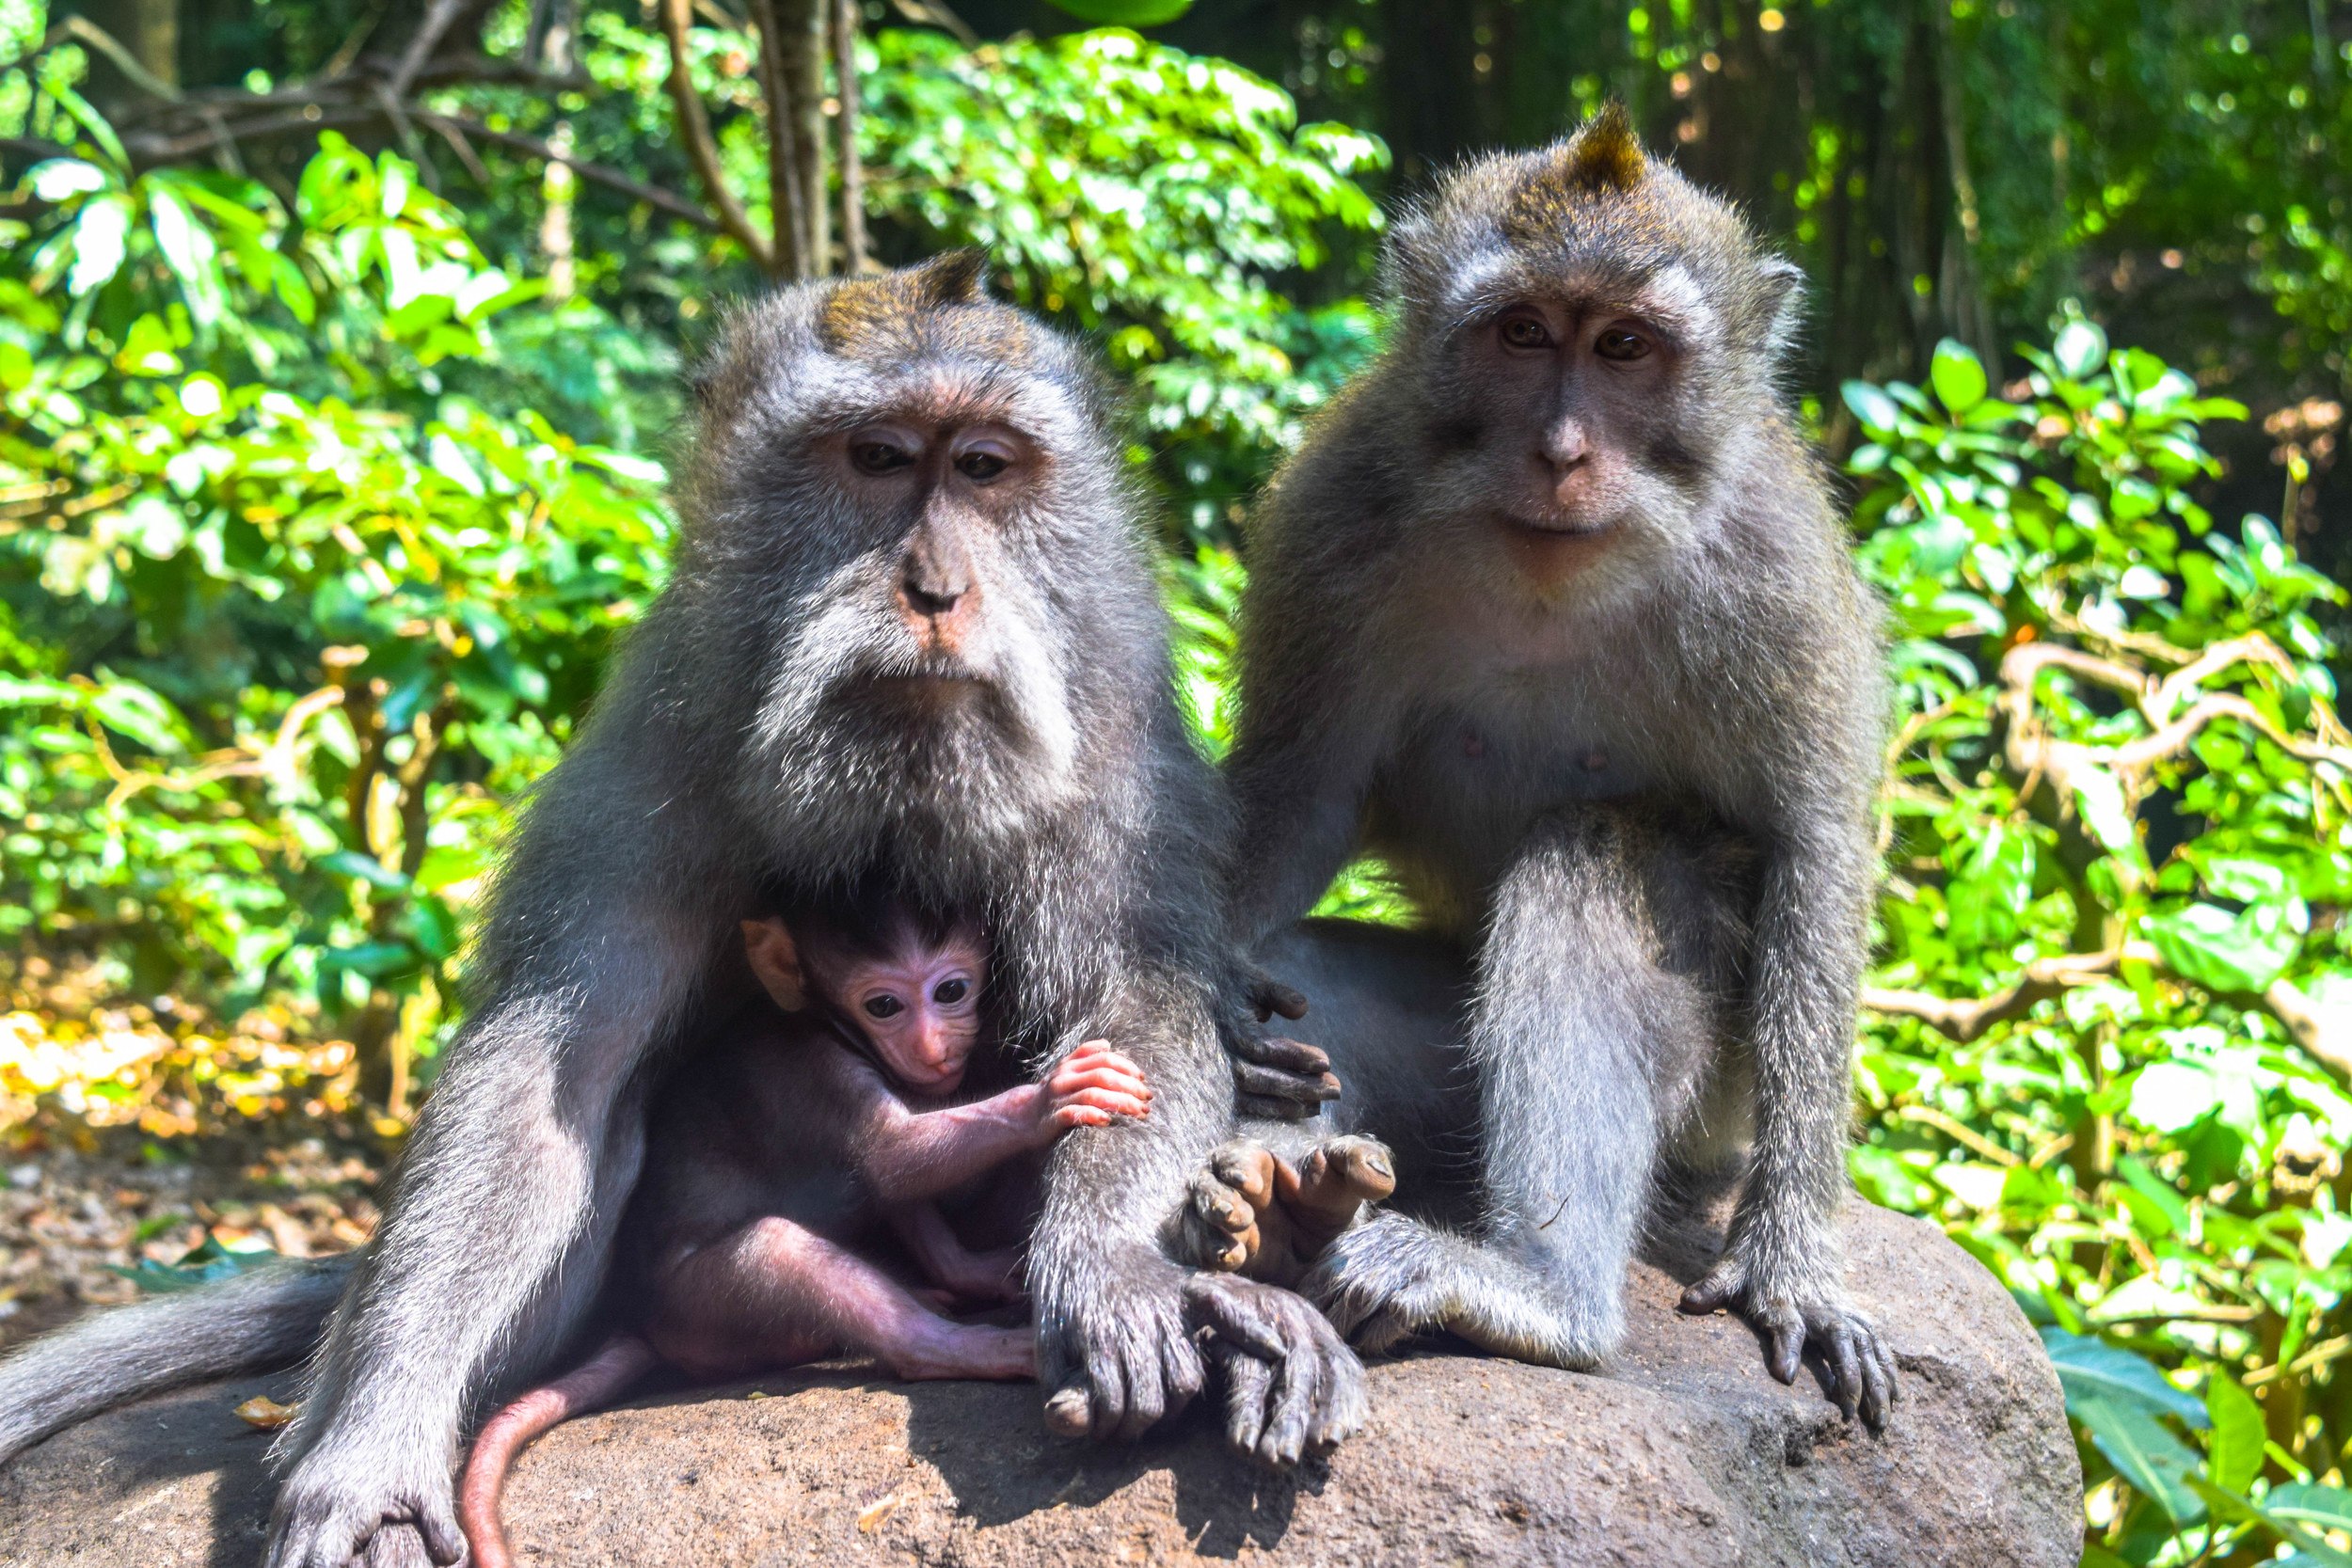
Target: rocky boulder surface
1684 1453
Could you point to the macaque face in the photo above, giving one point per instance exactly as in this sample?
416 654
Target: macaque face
918 1006
1573 410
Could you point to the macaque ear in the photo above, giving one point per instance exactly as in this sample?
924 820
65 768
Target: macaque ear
776 959
1781 282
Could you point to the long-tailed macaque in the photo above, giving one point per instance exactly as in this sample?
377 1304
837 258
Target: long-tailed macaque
775 1159
911 633
1553 612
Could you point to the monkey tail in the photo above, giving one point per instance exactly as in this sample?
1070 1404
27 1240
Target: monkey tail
599 1380
266 1318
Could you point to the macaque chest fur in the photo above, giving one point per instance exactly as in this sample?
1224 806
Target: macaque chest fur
1479 755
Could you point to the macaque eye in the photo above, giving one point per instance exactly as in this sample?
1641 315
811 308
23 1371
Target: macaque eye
1619 344
1525 332
879 457
883 1006
980 467
948 992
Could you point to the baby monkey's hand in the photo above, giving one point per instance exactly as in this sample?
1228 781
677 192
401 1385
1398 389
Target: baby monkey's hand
1089 1086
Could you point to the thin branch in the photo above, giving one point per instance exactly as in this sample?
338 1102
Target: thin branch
700 149
602 174
107 45
852 169
2325 1037
348 51
437 17
1959 1131
1963 1019
450 133
786 213
935 13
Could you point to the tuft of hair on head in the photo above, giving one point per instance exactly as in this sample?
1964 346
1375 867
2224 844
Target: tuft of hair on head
865 312
1603 158
1605 155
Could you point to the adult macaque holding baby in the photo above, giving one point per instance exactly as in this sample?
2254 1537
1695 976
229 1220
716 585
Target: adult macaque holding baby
911 633
745 1249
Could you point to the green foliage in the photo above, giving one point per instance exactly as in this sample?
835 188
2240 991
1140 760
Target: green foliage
270 663
2116 839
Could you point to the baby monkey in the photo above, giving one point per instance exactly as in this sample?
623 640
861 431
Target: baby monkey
798 1136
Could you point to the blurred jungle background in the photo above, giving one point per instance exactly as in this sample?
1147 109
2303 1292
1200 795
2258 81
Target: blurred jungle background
339 339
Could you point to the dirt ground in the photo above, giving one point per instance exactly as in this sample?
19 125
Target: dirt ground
76 1204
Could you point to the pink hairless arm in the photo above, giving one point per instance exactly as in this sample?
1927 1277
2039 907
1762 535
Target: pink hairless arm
907 1156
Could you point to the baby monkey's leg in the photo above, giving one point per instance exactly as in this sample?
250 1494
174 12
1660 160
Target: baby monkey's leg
777 1294
1250 1212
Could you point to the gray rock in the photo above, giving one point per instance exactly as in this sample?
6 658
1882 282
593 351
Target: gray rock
1685 1453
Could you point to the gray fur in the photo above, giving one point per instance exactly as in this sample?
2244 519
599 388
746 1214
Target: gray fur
1643 799
749 734
269 1317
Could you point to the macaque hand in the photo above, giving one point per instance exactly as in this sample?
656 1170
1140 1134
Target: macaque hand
1089 1087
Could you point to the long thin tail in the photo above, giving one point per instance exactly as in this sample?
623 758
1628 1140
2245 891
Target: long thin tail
602 1378
270 1317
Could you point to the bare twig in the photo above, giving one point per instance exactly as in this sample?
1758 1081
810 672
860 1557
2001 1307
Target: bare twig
1964 1020
1959 1131
701 149
852 169
611 179
438 16
86 31
935 13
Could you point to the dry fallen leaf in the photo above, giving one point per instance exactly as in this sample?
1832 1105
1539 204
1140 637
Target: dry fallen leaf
266 1413
871 1519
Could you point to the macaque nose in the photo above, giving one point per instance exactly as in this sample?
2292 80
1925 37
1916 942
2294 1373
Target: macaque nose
932 601
934 580
1566 447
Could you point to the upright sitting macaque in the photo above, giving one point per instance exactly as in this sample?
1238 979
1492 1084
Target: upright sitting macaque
1553 611
772 1156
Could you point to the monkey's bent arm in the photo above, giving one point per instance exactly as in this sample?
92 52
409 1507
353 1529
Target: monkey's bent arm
905 1156
1300 777
493 1243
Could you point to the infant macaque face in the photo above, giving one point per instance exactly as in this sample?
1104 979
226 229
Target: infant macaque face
918 1004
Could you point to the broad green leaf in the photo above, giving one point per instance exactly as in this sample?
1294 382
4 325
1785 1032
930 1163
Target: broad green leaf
366 869
2234 1452
1872 406
2226 952
99 239
2311 1502
2080 348
59 180
2158 1464
2092 1368
1958 376
1126 13
188 249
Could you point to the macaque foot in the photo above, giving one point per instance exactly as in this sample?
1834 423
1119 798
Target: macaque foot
1333 1184
1860 1363
1219 1229
1391 1278
1249 1212
331 1514
1292 1386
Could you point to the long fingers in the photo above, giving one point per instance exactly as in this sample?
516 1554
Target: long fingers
1302 1092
